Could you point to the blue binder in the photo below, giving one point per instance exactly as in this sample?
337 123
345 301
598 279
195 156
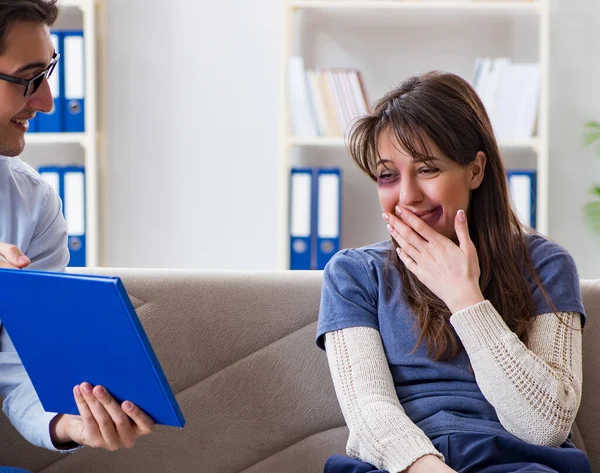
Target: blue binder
70 328
522 186
74 209
33 124
69 183
53 176
302 186
329 198
52 122
74 82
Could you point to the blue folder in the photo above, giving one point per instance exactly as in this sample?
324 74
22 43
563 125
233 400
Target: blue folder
522 186
73 198
33 124
329 198
51 122
73 106
69 183
71 328
302 209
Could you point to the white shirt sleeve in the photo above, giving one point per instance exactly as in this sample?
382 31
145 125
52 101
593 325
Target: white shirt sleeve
47 251
380 431
535 389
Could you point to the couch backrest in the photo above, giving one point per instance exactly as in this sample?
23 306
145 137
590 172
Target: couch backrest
588 419
238 349
239 352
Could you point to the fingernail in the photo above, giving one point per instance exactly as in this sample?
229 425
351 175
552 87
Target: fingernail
389 228
398 211
23 259
86 388
386 217
461 216
101 391
127 406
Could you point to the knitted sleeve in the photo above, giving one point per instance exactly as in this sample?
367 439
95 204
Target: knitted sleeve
380 431
535 389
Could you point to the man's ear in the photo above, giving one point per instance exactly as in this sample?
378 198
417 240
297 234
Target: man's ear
477 170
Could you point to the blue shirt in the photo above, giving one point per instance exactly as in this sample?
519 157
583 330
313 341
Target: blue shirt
440 397
31 219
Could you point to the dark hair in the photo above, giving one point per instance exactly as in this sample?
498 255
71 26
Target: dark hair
12 11
445 109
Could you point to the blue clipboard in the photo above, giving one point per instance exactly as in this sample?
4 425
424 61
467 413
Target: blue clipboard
71 328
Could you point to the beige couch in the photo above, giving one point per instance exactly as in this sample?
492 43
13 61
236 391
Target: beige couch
238 349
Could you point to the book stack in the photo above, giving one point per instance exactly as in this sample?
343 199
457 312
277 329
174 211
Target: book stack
324 102
510 93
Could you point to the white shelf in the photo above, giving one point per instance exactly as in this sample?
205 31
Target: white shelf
338 141
370 12
77 3
61 138
530 6
316 141
92 13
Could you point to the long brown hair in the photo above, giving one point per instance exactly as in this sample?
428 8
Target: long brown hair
444 108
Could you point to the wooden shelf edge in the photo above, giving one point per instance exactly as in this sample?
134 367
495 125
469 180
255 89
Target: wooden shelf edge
338 141
474 5
57 138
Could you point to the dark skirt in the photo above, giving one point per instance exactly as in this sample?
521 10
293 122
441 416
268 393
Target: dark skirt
483 453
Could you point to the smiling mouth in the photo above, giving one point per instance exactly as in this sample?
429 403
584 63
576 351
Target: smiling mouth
21 122
426 213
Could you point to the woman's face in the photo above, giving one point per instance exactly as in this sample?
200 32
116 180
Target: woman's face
433 190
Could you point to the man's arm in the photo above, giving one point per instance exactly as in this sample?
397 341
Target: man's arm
47 251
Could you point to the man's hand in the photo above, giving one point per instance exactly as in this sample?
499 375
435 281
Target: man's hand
102 422
12 257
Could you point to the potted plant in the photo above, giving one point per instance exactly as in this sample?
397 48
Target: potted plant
591 138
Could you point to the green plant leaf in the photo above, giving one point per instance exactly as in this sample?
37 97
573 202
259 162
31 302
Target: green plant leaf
591 137
596 191
592 214
591 133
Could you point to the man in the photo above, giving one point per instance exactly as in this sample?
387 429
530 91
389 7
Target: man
31 220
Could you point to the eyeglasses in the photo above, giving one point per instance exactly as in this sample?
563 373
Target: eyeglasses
33 84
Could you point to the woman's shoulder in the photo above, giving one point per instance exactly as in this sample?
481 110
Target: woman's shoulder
558 275
541 249
373 255
359 267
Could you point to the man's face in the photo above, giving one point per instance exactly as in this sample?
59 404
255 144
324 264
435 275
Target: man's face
28 52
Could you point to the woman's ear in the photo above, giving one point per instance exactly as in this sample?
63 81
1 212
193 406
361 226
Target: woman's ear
477 170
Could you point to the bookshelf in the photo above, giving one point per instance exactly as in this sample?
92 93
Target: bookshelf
464 5
40 147
326 18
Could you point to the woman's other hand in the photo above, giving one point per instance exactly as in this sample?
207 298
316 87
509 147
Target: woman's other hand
429 464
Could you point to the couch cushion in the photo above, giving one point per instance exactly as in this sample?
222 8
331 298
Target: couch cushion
239 352
238 349
588 419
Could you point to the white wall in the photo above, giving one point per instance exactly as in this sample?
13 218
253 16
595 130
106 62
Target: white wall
575 99
192 116
191 133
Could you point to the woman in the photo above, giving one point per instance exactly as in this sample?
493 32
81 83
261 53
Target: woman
456 346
